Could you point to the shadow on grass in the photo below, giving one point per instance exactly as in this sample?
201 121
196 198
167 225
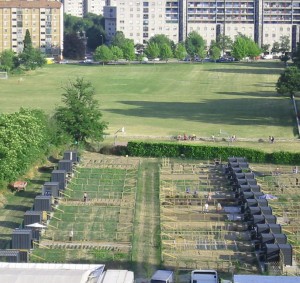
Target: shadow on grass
28 194
17 207
9 224
249 109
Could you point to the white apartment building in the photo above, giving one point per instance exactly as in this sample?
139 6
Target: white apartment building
265 21
79 8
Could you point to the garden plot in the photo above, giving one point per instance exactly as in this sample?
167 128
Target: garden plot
282 183
105 220
192 234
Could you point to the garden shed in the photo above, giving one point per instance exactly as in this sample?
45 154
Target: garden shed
59 176
21 239
51 189
43 203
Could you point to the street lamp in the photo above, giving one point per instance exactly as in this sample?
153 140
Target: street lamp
101 39
122 130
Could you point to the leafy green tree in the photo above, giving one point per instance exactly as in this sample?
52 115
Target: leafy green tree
128 50
240 47
224 43
215 53
103 53
162 40
117 53
8 60
180 51
289 81
285 43
166 52
119 39
253 49
194 43
73 47
152 50
202 53
80 116
24 138
30 58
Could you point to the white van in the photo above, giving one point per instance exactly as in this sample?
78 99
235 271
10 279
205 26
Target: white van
204 276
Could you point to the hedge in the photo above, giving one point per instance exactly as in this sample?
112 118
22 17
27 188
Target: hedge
204 152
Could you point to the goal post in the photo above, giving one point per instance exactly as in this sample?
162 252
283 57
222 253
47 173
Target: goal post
3 75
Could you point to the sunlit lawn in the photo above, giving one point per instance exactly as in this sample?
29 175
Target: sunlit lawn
168 99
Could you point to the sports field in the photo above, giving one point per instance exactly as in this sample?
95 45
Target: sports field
168 99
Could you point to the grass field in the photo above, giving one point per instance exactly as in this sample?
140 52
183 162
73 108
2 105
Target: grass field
168 99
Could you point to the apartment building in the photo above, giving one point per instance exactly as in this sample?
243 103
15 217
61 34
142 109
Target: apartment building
265 21
43 19
79 8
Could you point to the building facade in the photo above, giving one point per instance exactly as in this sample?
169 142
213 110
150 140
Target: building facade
43 19
265 21
79 8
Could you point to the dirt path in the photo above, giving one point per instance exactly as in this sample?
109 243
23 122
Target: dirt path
146 252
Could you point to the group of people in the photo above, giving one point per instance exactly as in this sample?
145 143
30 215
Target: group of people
185 137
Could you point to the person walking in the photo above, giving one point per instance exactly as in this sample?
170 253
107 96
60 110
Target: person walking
85 197
71 234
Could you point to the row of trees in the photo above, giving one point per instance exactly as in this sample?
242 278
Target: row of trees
160 46
29 59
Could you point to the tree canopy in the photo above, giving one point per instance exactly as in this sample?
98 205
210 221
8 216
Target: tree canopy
80 117
194 43
289 81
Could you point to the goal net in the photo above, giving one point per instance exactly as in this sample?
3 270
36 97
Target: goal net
3 75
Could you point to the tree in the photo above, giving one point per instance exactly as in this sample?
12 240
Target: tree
27 41
285 43
224 42
253 49
180 51
119 39
162 40
73 47
152 50
117 53
265 48
289 81
215 53
202 53
128 50
8 61
80 117
276 47
30 58
166 52
240 48
194 43
103 53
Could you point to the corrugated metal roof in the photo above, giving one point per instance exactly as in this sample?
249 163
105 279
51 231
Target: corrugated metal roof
118 276
265 279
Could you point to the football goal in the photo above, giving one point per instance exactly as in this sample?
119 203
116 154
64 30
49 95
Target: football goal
3 75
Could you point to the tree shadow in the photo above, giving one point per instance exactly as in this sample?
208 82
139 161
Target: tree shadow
17 207
9 224
238 111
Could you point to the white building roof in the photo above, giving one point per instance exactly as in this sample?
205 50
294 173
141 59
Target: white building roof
49 272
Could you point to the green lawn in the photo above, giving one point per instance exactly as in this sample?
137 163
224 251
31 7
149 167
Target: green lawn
168 99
